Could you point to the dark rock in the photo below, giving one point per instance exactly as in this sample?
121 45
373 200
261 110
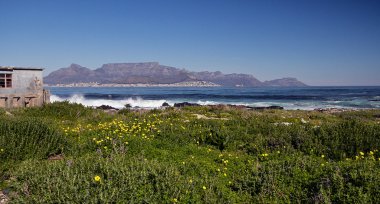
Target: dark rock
239 106
267 108
331 110
106 107
180 105
255 108
165 105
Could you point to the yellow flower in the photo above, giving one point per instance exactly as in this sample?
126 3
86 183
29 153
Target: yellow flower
97 178
190 181
225 174
204 187
361 153
175 200
323 156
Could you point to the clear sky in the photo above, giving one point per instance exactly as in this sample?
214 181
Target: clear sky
320 42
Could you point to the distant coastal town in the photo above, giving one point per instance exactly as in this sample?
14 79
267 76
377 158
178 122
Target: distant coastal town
180 84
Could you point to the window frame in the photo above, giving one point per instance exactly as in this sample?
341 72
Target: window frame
6 81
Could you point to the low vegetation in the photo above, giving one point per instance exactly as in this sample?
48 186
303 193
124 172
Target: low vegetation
67 153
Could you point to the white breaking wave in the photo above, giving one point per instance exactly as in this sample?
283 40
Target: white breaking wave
134 102
150 104
205 103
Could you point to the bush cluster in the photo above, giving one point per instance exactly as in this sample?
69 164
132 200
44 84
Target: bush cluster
189 155
29 138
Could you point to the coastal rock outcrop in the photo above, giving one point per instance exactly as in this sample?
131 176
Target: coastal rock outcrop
165 104
180 105
106 107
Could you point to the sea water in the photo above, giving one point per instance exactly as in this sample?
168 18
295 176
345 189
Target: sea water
305 98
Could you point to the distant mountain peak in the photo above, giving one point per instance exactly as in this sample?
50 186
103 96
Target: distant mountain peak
154 73
286 81
74 66
131 64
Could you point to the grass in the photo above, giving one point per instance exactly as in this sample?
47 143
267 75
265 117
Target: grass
171 156
29 138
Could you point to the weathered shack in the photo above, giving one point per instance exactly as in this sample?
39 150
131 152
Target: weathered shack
22 87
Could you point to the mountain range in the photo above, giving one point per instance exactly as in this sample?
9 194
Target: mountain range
154 73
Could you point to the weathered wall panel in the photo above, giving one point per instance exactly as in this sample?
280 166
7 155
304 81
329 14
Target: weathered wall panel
27 88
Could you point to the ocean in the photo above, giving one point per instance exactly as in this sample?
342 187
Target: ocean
305 98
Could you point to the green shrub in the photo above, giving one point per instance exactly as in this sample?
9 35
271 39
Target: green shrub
24 138
117 180
59 110
2 112
347 138
298 178
164 156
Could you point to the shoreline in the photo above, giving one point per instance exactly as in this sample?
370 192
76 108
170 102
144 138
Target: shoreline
138 103
229 106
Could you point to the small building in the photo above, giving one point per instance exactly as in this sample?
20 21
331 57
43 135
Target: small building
22 87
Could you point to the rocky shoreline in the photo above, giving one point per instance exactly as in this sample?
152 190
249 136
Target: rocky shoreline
108 108
187 104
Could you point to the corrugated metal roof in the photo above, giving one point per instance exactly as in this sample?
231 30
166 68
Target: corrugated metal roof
3 68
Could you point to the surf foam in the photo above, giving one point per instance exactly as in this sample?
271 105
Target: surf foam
149 104
134 102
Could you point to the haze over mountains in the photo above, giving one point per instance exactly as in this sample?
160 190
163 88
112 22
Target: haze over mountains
154 73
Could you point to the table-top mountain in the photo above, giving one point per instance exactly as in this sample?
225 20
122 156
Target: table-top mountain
154 73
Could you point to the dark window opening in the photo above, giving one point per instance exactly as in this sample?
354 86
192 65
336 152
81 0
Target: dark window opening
5 80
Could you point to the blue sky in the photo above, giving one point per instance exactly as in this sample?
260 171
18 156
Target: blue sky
320 42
